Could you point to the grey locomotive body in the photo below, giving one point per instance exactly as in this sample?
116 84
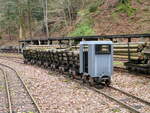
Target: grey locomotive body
96 61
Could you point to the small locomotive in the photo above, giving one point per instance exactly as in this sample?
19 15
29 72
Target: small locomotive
96 61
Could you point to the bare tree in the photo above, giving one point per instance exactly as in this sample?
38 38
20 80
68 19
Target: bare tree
29 19
45 11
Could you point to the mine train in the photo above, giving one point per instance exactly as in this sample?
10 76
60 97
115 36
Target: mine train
92 63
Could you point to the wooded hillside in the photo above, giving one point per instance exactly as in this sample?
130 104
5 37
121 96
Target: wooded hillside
24 19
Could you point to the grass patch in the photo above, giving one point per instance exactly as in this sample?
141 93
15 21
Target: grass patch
125 7
139 1
116 110
84 28
118 63
94 6
1 87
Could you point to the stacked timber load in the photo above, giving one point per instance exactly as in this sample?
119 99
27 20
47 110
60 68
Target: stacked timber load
56 59
67 60
142 63
121 50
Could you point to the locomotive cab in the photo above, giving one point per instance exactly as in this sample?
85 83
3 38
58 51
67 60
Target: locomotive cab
96 61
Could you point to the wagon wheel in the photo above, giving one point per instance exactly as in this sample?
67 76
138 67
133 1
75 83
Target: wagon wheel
91 81
33 62
63 69
74 74
51 67
46 65
24 62
59 69
84 80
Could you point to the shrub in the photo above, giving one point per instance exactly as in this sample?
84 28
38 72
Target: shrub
94 6
125 7
83 29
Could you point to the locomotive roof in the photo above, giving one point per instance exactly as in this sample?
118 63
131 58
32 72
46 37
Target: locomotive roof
96 42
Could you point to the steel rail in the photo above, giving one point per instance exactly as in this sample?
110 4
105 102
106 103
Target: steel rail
127 71
19 58
128 94
13 60
114 99
106 95
36 105
7 91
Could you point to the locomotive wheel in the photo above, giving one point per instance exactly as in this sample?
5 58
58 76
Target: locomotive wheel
108 82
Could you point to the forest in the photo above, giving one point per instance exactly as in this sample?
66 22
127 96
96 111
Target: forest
24 19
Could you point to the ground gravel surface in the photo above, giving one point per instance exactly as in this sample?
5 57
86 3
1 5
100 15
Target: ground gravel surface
3 95
136 85
56 94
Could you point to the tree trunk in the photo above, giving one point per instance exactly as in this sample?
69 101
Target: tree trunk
9 33
20 32
69 11
29 19
20 21
45 8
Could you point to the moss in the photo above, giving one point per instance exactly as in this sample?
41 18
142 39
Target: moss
94 6
84 28
116 110
139 1
83 13
118 63
125 7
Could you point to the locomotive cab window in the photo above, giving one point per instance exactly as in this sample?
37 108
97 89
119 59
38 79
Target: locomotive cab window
103 49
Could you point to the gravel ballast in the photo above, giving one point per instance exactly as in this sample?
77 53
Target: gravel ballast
56 94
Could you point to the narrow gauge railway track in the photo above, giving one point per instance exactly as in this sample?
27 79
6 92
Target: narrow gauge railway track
4 100
19 58
129 101
121 69
13 60
18 96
